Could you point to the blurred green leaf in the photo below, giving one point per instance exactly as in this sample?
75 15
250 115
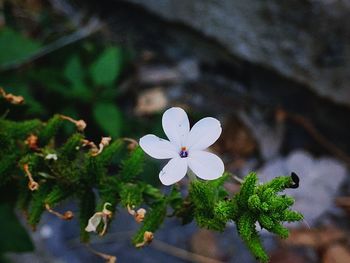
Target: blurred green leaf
106 69
73 71
14 237
14 46
109 118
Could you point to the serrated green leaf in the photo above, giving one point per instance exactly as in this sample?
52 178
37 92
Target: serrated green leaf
107 67
14 46
109 118
14 237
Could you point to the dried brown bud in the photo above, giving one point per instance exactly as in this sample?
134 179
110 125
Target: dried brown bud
32 142
68 215
88 143
104 142
33 186
132 143
11 98
140 215
147 238
80 124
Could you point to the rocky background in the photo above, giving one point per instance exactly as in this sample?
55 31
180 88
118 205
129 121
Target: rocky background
307 41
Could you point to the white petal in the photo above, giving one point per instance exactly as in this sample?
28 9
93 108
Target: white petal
173 171
203 134
94 221
158 148
176 125
205 165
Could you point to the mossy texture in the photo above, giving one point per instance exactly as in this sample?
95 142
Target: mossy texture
113 176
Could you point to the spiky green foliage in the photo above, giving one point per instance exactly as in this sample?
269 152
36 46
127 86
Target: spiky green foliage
113 176
262 204
132 166
153 220
49 130
37 205
254 203
131 194
206 196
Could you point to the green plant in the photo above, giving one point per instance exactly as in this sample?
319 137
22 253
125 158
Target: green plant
83 79
46 172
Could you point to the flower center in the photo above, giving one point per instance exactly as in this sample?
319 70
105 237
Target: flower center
183 153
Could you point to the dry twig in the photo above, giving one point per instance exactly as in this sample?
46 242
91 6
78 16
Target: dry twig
310 128
181 253
90 28
68 215
32 184
107 257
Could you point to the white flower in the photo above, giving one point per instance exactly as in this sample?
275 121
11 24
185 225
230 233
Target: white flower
51 156
96 219
186 148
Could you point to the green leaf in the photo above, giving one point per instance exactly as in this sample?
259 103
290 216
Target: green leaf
14 237
73 71
14 46
107 67
109 118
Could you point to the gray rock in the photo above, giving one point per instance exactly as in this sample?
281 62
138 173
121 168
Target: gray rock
319 181
269 138
307 41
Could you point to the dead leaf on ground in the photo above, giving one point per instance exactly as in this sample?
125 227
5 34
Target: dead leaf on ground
315 238
204 243
336 253
236 138
285 256
344 203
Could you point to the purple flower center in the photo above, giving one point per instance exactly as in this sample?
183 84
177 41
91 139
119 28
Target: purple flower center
183 153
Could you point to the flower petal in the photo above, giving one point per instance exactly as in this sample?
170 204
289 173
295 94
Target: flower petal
203 134
205 165
94 221
176 125
158 148
173 171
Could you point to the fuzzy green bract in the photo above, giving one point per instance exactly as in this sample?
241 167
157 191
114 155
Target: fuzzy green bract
116 176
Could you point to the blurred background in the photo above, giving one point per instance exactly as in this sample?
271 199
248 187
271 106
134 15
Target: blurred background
276 73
